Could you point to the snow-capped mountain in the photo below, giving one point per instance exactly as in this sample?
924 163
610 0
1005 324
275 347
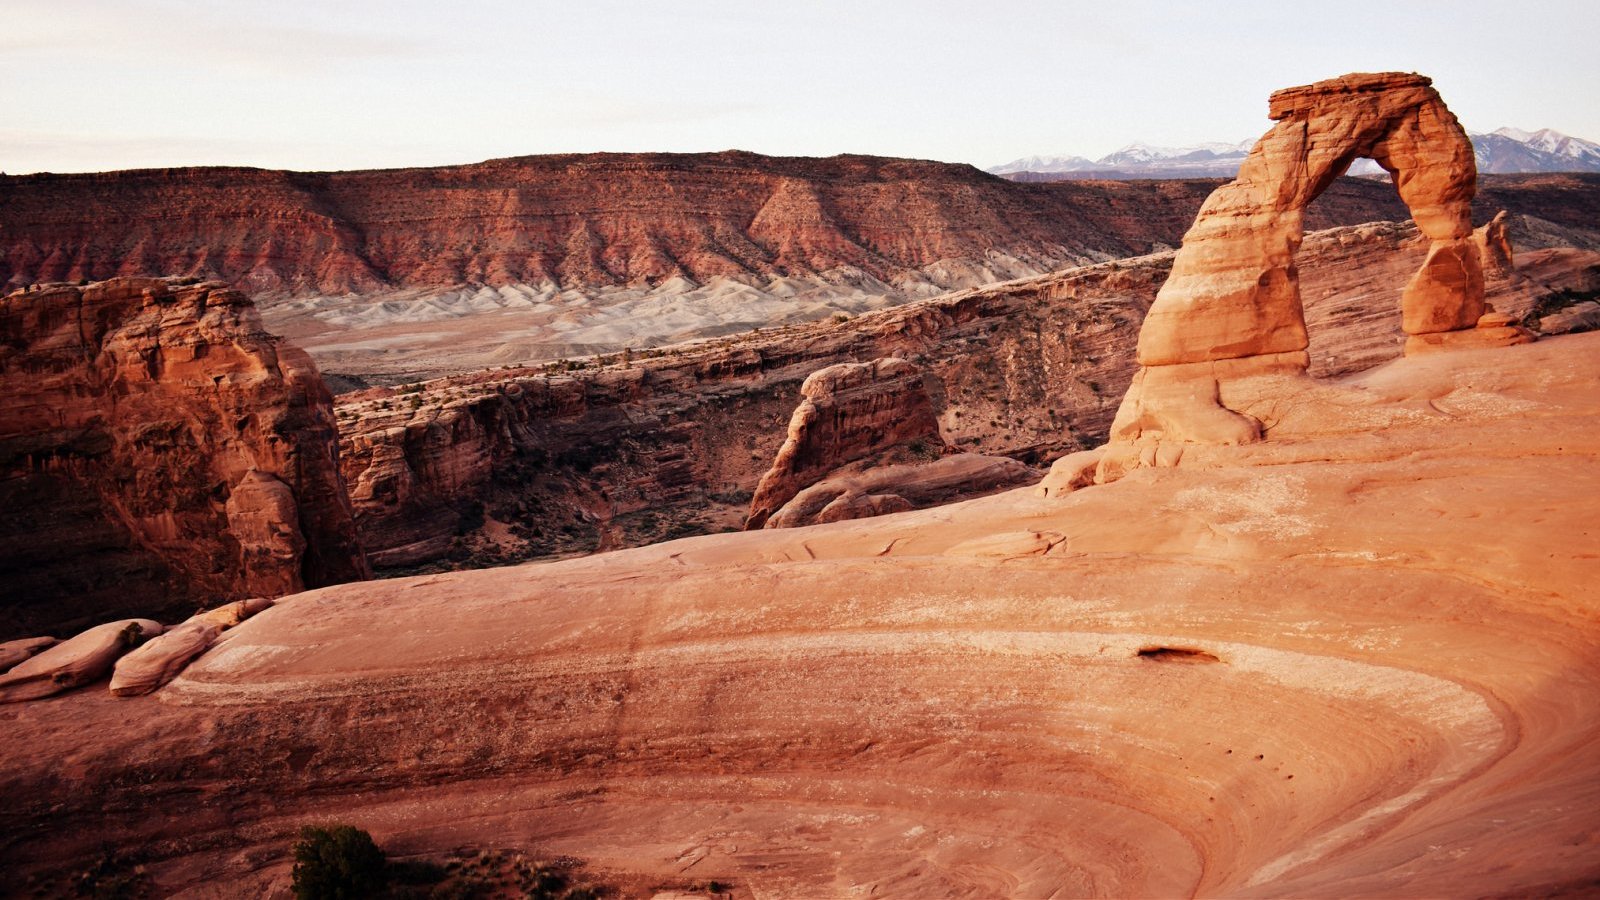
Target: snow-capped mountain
1044 164
1202 154
1515 150
1140 161
1504 150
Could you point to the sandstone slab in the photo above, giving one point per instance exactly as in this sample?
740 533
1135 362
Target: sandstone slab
160 659
13 652
900 487
1354 660
75 661
1578 317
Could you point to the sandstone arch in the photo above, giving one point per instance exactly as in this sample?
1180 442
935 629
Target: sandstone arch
1231 306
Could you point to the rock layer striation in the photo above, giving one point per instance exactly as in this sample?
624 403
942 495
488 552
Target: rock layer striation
846 412
160 451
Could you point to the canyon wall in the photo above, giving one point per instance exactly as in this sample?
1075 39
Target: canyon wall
387 277
583 221
159 451
573 457
673 441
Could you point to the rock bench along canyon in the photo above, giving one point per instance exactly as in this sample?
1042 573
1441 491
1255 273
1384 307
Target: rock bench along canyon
1309 612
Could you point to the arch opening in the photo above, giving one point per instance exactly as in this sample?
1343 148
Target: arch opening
1231 306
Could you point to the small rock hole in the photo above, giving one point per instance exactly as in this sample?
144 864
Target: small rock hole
1177 654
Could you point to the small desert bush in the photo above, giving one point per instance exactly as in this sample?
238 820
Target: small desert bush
338 863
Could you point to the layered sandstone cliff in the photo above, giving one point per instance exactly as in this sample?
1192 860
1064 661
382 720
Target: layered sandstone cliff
159 451
503 466
579 221
401 274
846 412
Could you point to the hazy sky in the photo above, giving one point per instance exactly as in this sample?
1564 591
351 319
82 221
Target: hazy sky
336 84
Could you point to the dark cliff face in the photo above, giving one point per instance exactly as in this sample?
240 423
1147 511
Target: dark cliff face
499 466
584 221
159 451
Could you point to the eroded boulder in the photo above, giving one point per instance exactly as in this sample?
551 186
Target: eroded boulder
846 412
161 659
76 661
13 652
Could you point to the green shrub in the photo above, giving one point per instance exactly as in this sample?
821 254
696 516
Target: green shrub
337 863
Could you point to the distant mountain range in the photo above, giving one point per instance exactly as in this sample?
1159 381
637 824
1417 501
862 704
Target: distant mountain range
1503 151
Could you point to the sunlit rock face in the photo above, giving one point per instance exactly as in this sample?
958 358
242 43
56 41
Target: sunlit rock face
159 450
1232 309
1234 291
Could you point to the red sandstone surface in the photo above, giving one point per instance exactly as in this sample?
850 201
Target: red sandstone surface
159 451
1350 652
1355 658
